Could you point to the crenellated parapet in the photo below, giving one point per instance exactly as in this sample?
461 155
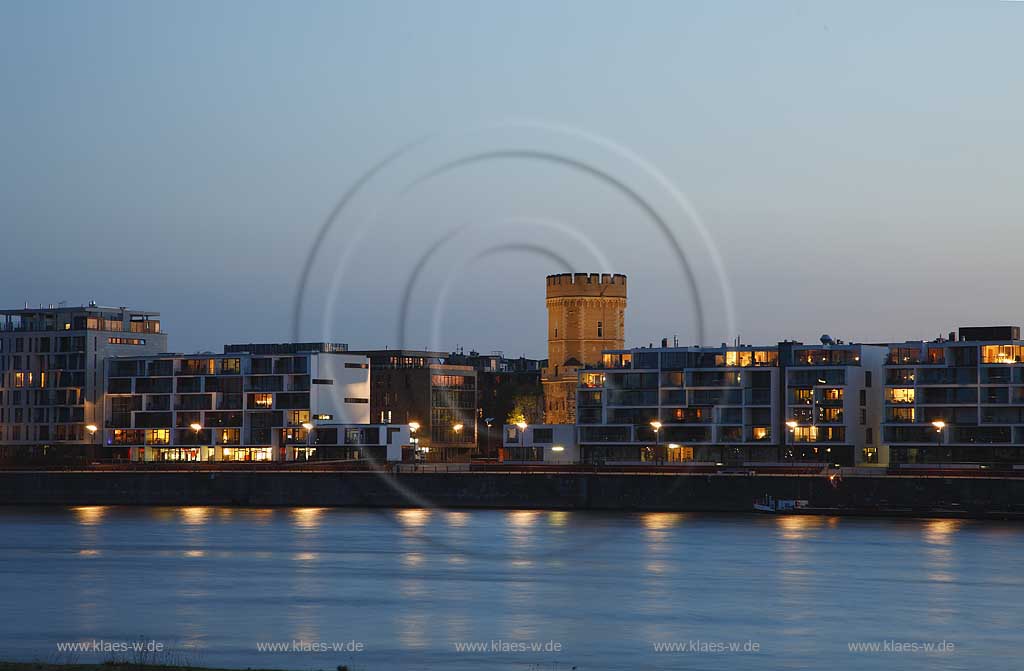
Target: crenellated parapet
570 285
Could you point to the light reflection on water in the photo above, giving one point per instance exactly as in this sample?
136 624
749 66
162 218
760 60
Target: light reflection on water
411 583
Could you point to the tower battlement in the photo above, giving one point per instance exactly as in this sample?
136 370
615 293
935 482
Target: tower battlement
566 285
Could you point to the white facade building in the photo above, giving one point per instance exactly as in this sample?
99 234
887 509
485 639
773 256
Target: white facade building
540 444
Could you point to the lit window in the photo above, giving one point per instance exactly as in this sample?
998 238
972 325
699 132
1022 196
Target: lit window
19 379
263 400
297 417
1001 353
900 395
158 437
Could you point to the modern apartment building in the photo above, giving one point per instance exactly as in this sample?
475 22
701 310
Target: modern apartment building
51 375
421 388
834 403
957 401
275 403
733 404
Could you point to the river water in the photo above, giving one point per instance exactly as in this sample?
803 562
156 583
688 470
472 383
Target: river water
526 590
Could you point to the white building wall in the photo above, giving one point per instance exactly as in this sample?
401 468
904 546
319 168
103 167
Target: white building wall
350 374
562 435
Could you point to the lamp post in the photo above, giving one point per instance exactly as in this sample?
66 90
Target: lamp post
308 426
488 421
457 428
656 425
792 425
939 426
413 428
522 438
196 428
92 429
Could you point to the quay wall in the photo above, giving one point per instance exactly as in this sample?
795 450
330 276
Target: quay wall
978 497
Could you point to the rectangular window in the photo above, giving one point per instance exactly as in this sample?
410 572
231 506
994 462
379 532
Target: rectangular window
543 435
895 395
126 341
261 400
867 378
229 436
320 380
357 365
357 400
600 329
158 437
1001 353
230 366
297 417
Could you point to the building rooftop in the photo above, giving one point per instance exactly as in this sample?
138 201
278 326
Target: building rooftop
90 308
288 348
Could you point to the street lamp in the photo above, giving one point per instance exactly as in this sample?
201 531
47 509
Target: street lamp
792 424
92 429
656 425
488 422
413 428
522 438
308 426
457 428
939 426
196 428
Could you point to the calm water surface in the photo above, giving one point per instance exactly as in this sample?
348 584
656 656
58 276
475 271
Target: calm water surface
411 586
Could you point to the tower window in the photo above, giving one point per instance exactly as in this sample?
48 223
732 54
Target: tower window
600 329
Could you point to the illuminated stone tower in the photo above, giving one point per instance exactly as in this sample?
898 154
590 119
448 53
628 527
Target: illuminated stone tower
586 315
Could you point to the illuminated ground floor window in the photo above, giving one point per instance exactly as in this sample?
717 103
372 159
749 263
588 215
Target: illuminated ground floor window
305 453
178 454
677 453
248 454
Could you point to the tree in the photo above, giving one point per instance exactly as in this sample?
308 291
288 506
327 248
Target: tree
526 408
